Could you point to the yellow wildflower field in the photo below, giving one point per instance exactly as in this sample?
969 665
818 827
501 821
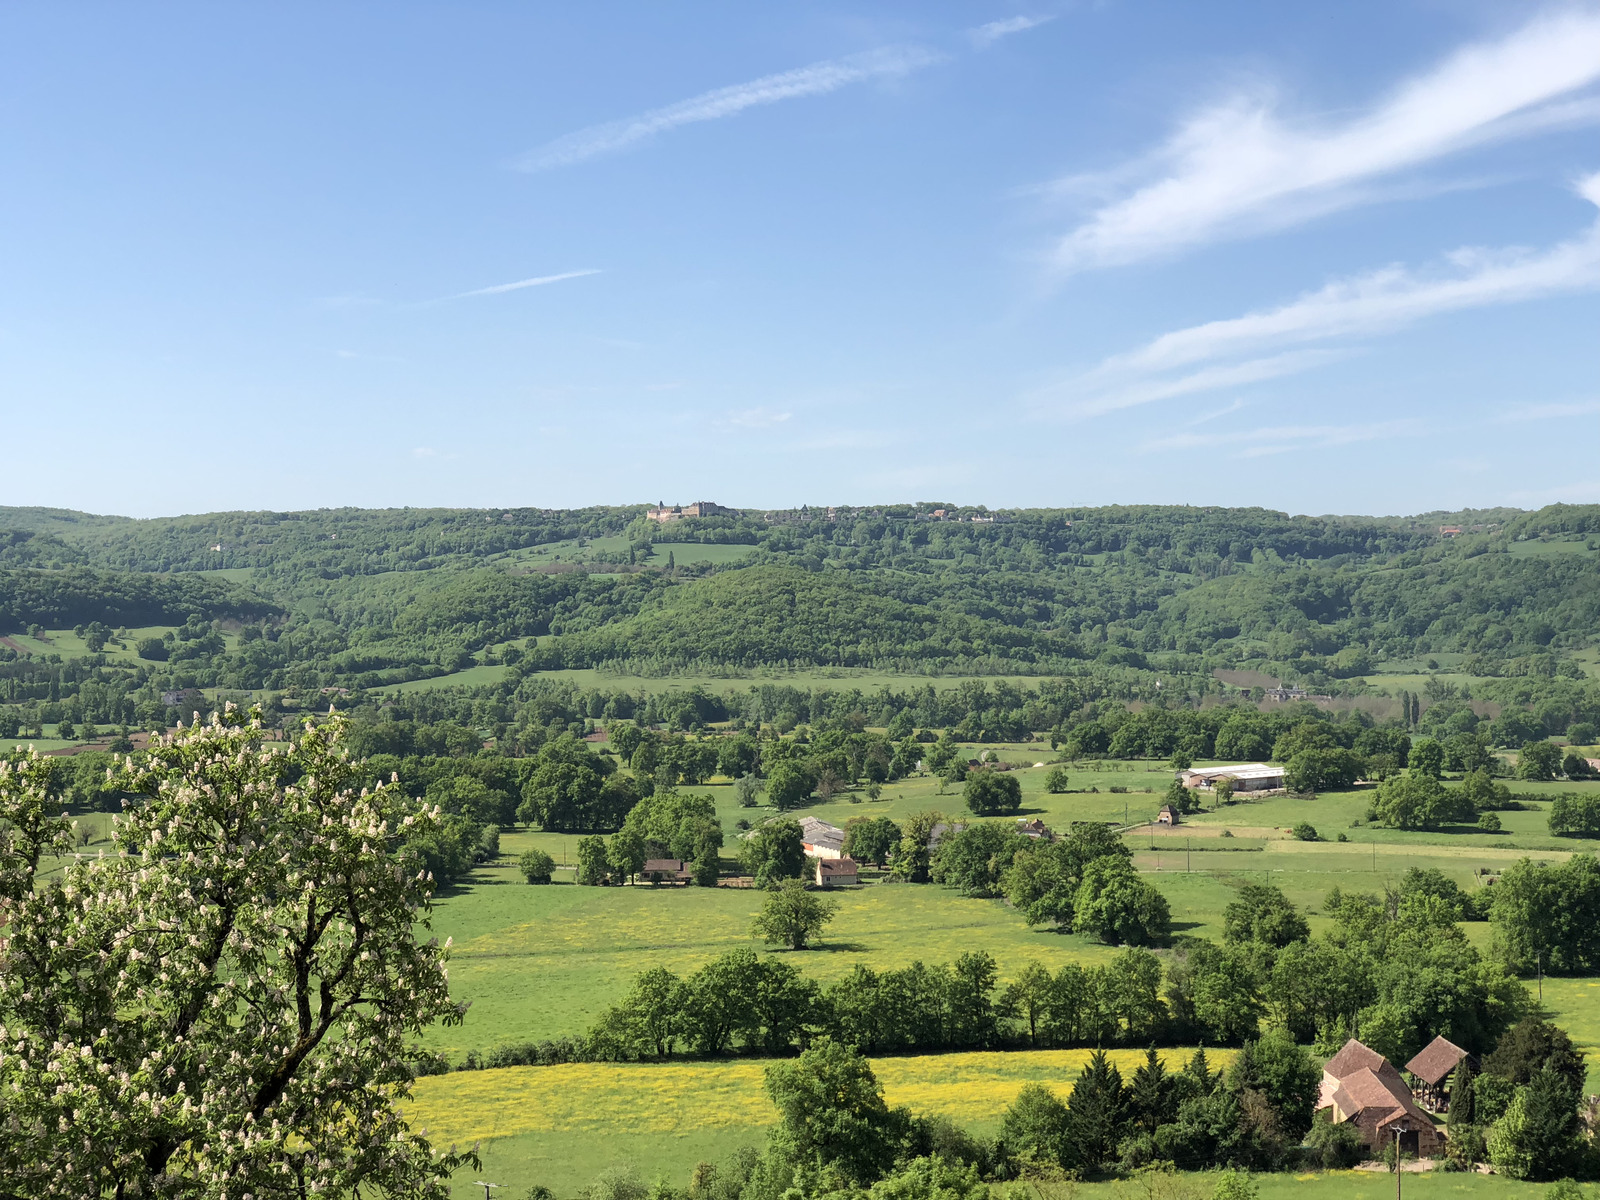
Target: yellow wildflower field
678 1098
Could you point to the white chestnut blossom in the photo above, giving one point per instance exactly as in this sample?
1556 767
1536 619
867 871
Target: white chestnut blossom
225 1006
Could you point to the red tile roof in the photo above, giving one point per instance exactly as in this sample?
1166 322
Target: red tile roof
1436 1060
1366 1090
1352 1057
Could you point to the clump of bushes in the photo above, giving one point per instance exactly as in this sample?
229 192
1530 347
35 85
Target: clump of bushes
527 1054
536 866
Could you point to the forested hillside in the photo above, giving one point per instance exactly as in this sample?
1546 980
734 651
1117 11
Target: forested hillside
1128 601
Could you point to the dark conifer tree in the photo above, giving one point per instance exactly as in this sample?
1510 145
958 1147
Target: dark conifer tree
1152 1094
1463 1106
1096 1112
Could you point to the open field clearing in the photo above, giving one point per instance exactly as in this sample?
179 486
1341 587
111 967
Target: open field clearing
478 676
735 679
687 553
1331 813
67 644
560 1125
540 962
543 962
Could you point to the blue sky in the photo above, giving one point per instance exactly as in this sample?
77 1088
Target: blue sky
1325 258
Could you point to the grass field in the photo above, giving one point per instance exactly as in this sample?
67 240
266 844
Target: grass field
1539 548
1393 681
560 1125
478 676
540 962
735 680
1331 813
39 744
69 645
543 962
687 553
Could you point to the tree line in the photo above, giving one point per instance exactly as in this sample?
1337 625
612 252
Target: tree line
1257 1111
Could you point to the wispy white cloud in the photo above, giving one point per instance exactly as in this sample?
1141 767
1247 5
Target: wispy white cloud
1224 411
1274 342
1241 167
1547 412
987 35
756 418
1111 387
1276 439
815 80
539 281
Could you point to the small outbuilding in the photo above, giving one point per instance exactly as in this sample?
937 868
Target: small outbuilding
1431 1069
837 872
664 870
1168 815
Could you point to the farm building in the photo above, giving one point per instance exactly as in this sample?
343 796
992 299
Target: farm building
1035 829
1247 777
1361 1086
1168 815
663 870
1431 1068
837 872
821 840
1284 694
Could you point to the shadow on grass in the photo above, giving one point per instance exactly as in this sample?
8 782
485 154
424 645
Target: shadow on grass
824 948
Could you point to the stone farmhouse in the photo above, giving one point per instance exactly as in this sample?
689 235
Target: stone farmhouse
1362 1087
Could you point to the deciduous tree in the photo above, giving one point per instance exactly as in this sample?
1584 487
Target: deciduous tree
791 916
226 1006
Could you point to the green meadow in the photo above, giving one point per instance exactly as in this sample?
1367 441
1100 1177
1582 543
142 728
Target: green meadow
544 962
735 679
559 1125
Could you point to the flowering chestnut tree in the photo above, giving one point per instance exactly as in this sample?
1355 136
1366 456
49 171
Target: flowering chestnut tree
222 1008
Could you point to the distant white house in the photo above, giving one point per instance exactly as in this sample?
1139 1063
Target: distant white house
820 839
1247 777
837 872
